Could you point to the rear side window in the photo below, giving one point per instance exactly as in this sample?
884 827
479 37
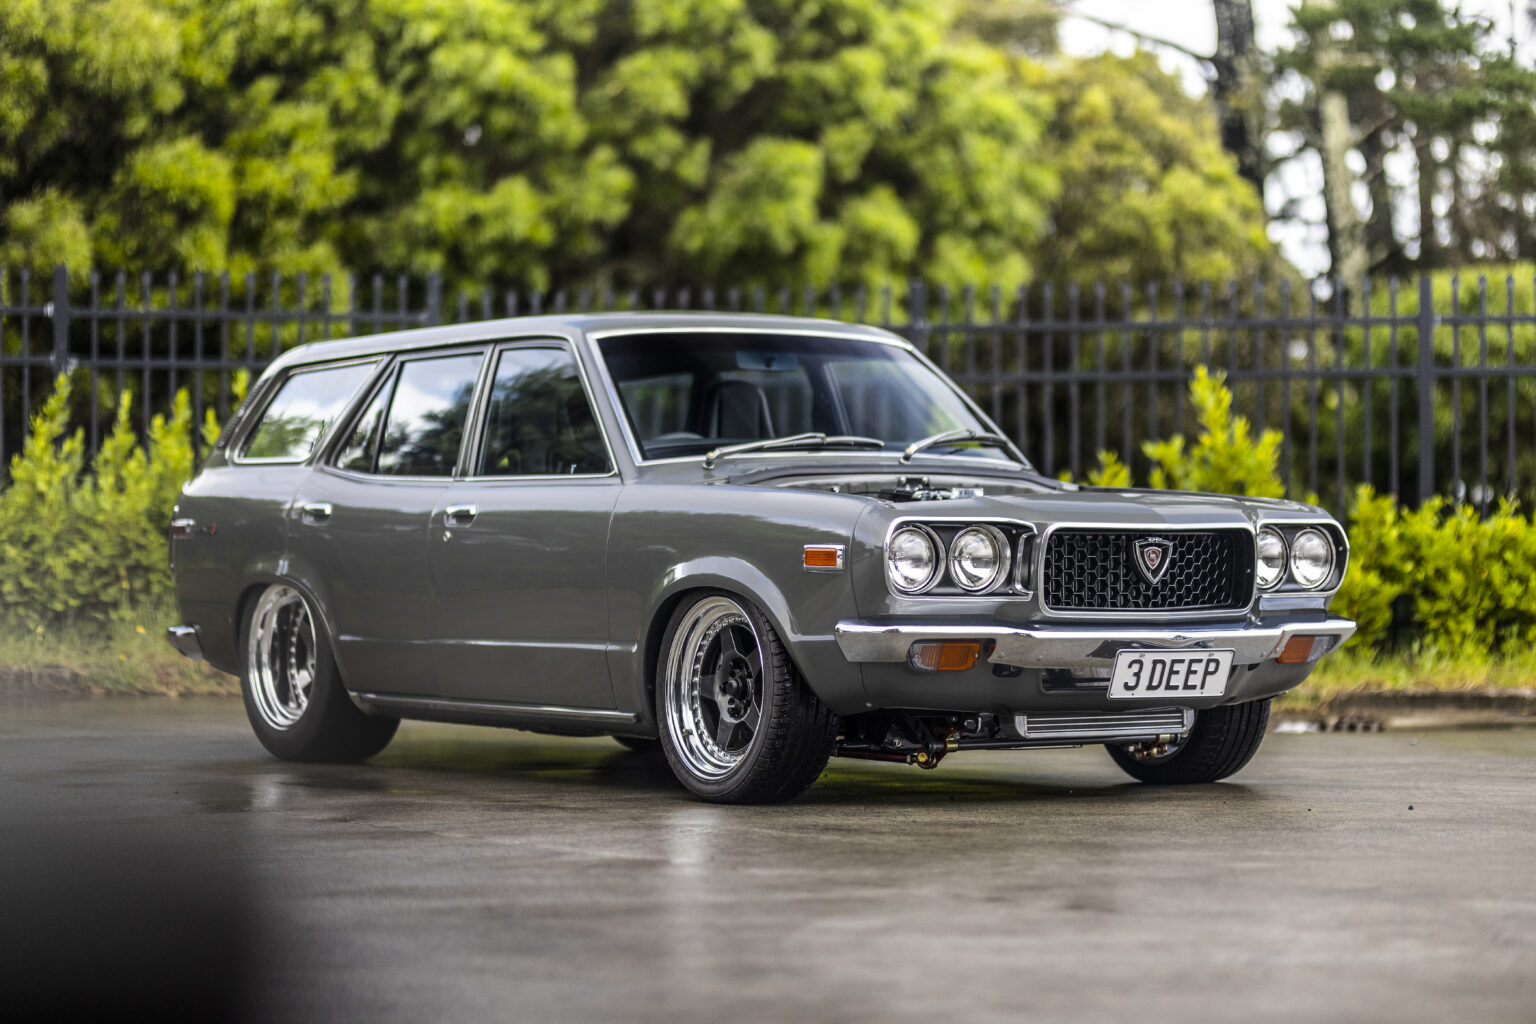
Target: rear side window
425 424
296 418
538 421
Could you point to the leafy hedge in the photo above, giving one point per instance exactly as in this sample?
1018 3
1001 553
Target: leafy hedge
1438 580
84 540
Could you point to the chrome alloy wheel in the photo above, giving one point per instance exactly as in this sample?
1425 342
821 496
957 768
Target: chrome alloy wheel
280 656
713 696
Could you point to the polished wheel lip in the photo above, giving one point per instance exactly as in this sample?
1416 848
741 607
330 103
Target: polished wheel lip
280 657
712 689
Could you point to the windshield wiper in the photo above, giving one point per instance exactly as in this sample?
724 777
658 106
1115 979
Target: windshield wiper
813 440
962 435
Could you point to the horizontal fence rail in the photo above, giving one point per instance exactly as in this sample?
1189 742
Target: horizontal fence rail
1418 388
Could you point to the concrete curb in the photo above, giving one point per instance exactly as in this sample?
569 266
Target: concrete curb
1372 710
37 680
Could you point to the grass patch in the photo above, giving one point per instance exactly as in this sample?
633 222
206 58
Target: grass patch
1349 671
127 657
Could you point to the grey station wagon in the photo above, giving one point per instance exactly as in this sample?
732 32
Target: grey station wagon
751 542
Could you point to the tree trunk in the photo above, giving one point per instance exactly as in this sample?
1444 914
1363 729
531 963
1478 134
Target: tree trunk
1236 88
1429 172
1382 247
1346 238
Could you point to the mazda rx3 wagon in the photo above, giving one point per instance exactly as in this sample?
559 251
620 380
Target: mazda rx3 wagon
753 542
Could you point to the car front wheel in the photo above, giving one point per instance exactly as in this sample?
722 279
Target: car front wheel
292 689
1222 741
737 722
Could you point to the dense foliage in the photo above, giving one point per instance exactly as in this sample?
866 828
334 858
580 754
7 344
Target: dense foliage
1439 580
524 142
90 546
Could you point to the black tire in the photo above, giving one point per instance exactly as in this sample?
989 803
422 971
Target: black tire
292 689
753 733
1222 741
640 744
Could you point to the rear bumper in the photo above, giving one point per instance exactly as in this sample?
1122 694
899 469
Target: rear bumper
1080 648
186 640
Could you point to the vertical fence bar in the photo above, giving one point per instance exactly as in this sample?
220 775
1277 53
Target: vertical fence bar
1453 316
1394 412
1287 446
94 369
224 370
1426 383
1312 391
1368 382
59 311
1074 387
1482 387
434 313
1341 311
1512 411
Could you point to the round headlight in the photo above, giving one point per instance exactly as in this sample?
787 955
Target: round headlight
912 559
978 557
1311 559
1271 569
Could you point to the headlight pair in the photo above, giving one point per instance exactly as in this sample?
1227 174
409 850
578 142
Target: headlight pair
977 559
1309 555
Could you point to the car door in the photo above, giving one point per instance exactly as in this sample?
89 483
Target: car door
519 546
360 523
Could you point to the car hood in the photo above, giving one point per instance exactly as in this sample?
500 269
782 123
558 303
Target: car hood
1111 507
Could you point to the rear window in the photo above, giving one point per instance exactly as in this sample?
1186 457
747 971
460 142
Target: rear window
305 405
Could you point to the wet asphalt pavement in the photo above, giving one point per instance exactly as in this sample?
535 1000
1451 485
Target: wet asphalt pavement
151 854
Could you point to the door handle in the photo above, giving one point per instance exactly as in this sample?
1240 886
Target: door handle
460 515
315 512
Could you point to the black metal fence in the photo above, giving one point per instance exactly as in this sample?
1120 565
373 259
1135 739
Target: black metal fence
1422 388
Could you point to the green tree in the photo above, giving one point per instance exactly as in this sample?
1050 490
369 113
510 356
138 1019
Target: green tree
1426 78
1147 191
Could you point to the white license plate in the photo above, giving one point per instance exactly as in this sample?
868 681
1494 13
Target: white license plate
1189 673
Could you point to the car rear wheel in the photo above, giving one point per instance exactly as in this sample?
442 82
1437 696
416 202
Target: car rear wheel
1222 741
737 722
292 689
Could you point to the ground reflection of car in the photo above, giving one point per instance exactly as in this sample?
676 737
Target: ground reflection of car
753 542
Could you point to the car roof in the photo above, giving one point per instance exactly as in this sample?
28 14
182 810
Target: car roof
568 326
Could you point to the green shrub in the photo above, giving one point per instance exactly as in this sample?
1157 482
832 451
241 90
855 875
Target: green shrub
1225 458
1438 582
90 546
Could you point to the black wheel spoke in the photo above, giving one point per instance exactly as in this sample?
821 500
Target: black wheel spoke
752 717
725 730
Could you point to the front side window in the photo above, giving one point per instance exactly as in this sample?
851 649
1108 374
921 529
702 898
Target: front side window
307 403
538 421
427 411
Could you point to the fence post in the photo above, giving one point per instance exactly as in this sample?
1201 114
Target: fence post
434 313
1426 380
917 315
58 311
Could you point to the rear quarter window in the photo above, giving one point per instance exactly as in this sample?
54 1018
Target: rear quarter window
308 402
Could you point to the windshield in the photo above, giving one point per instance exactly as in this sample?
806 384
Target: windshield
686 393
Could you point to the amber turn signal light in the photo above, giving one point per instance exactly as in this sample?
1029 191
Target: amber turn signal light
1301 649
944 655
823 556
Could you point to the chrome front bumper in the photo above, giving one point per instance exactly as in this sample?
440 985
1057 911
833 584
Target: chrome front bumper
1080 647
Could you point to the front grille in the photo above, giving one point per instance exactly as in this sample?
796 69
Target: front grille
1095 570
